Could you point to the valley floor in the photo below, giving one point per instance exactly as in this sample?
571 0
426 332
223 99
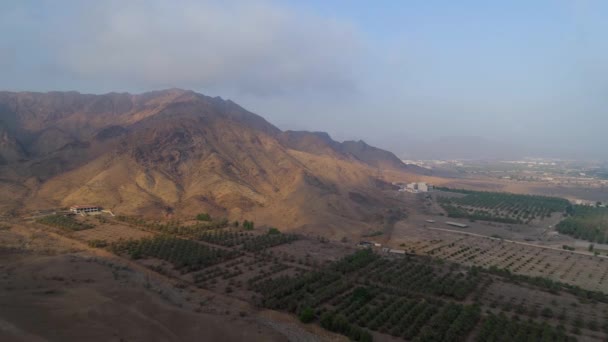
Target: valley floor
58 289
171 281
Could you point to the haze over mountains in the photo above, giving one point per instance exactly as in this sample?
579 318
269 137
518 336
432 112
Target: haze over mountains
176 151
465 147
480 148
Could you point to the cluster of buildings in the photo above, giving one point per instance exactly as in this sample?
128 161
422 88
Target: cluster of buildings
588 203
387 250
416 187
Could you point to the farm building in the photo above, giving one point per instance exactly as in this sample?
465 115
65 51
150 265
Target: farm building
365 244
456 224
84 209
423 187
417 187
396 251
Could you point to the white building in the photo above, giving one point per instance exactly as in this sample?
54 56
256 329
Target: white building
418 187
422 187
456 224
84 209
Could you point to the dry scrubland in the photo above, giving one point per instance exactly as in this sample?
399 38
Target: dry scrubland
55 287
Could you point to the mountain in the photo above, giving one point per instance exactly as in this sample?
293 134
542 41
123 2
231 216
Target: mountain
321 143
176 152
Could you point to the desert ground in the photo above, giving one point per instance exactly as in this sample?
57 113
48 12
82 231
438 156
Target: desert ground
56 288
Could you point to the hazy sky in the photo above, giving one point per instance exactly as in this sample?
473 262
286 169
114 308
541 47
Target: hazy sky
531 73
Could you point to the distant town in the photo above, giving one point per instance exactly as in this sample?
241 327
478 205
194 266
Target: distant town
583 182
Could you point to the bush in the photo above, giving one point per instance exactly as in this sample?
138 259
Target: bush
248 225
307 315
185 255
66 222
592 325
98 243
203 217
547 312
361 294
586 223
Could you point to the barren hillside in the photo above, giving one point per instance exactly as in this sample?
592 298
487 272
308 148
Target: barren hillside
176 152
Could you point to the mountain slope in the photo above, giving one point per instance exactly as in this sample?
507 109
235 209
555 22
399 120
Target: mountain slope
321 143
179 152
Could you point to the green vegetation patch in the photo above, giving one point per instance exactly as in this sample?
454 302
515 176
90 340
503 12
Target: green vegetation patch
248 225
203 217
65 222
174 227
271 239
500 207
185 255
586 223
225 238
503 328
407 298
364 291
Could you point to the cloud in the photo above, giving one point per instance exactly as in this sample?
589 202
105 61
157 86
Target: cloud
254 49
376 73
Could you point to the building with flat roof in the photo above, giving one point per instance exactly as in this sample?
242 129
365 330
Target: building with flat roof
417 187
422 187
85 209
396 251
456 224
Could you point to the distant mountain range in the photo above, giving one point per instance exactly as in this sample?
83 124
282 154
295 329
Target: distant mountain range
465 147
177 152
